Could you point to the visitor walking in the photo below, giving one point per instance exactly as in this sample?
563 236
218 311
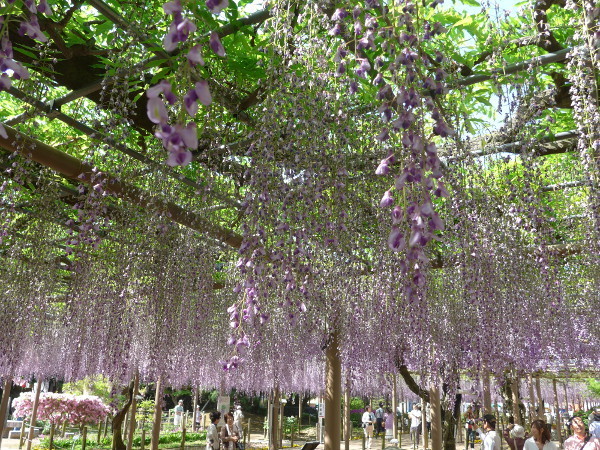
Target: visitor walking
178 415
489 439
469 419
580 439
212 435
379 413
229 433
415 423
514 435
540 437
237 420
198 417
367 424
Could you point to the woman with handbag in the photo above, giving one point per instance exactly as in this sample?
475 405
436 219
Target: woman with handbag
230 435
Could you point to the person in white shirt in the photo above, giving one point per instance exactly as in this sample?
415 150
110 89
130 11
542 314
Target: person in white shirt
237 419
212 435
489 439
178 415
540 437
367 424
415 423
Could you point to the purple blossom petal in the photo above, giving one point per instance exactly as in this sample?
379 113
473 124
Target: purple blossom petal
215 44
179 158
194 56
157 111
173 7
396 240
216 6
387 199
203 92
5 82
44 8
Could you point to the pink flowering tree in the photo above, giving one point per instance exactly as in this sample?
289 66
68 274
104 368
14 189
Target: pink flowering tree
63 408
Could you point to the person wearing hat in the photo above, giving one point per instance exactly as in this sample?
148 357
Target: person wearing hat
489 439
514 435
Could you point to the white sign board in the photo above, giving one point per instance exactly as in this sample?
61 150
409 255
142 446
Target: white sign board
223 406
322 409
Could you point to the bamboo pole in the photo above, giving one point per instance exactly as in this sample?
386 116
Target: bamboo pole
299 412
99 433
36 403
567 398
557 413
4 405
156 424
182 445
132 410
333 394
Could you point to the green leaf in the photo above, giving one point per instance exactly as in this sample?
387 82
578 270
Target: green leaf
464 22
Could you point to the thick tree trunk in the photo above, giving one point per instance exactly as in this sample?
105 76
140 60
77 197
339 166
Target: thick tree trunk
117 422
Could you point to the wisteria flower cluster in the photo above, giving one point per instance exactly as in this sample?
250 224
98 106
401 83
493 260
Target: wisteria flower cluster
180 139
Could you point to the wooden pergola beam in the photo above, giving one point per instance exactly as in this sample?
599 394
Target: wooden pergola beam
73 168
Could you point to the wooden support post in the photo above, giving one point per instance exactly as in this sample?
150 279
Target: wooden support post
247 436
105 428
541 406
194 408
143 443
52 430
34 410
557 413
567 398
333 394
22 435
299 412
281 424
436 417
4 405
515 400
394 406
99 435
347 421
532 413
157 422
424 426
487 395
182 445
133 409
274 425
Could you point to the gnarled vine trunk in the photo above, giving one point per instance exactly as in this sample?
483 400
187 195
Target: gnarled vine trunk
117 422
